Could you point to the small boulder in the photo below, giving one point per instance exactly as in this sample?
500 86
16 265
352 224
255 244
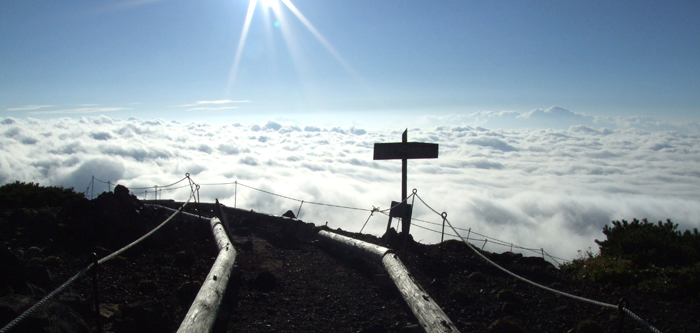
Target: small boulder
147 317
477 277
374 328
535 262
13 272
187 291
121 191
511 307
247 245
52 261
264 282
39 275
507 295
390 236
504 326
183 259
32 252
506 257
460 296
147 287
589 326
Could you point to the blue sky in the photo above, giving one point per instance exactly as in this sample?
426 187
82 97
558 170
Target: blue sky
158 59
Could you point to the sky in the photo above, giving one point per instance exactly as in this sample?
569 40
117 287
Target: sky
335 62
553 118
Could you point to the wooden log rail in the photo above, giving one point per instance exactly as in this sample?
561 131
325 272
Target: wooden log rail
426 311
205 308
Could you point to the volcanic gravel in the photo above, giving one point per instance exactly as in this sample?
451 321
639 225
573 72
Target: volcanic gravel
285 280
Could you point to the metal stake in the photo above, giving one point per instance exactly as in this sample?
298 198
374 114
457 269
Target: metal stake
96 292
442 237
299 210
621 314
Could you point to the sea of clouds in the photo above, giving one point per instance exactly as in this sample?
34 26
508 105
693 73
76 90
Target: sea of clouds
551 189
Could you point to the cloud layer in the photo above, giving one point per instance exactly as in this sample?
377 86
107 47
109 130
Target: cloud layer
551 189
559 118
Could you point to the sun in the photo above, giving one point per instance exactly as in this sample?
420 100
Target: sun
274 5
269 3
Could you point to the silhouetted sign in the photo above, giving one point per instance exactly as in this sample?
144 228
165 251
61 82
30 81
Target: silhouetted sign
408 150
404 151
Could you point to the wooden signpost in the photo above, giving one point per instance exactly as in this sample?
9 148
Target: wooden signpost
404 151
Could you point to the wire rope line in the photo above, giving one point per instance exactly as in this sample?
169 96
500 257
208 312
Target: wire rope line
48 297
491 239
583 299
142 188
82 272
174 188
298 200
268 192
374 209
398 204
120 251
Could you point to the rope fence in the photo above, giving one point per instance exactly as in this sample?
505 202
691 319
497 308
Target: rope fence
579 298
236 183
84 271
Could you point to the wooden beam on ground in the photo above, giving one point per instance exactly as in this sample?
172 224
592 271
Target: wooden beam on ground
374 252
205 308
426 311
222 217
429 314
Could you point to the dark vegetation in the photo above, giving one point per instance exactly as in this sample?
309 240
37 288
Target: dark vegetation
286 281
657 258
30 195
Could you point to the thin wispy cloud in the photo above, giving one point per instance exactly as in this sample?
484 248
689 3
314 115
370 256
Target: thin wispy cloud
558 118
30 108
216 102
123 5
80 110
214 108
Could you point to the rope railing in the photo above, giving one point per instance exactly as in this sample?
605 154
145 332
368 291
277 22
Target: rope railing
84 271
579 298
295 199
492 240
195 189
145 188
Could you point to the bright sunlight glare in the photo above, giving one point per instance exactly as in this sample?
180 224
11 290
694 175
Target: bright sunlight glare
274 5
269 3
241 43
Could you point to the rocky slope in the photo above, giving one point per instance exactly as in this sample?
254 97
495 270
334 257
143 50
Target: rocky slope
284 280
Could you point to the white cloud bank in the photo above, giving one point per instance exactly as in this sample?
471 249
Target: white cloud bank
553 189
558 118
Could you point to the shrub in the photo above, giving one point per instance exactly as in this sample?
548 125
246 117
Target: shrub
647 244
655 258
30 195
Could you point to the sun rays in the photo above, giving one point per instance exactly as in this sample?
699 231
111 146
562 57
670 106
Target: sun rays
273 5
241 42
